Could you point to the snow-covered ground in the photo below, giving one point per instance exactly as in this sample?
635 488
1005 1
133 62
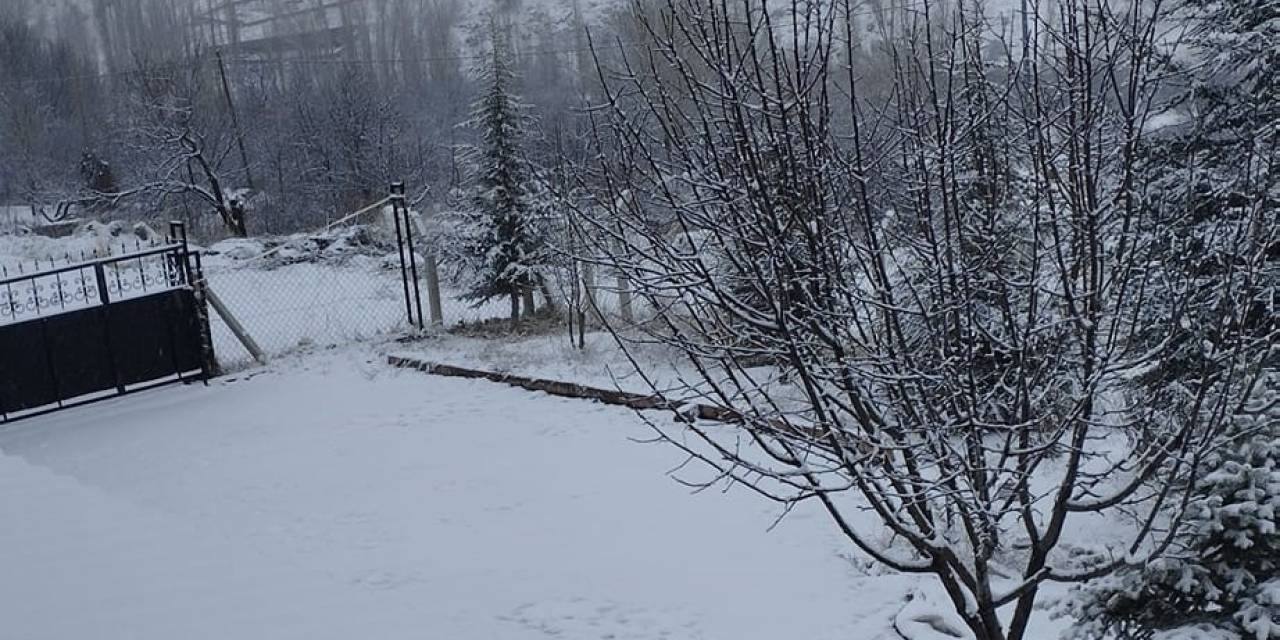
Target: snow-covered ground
13 218
335 497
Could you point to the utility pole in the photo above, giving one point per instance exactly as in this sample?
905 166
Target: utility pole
235 120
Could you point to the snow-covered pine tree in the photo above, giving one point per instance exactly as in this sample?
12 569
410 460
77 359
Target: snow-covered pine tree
1225 579
1239 124
1239 94
1232 151
501 242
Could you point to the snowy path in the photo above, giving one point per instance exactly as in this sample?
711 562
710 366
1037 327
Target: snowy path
338 498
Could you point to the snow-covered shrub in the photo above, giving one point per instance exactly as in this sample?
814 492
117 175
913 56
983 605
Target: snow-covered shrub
1226 575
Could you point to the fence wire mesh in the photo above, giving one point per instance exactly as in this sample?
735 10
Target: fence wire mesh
337 284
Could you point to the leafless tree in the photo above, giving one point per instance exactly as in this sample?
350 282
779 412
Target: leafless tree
183 140
936 302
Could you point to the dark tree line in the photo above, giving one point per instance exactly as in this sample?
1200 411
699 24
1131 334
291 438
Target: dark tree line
137 90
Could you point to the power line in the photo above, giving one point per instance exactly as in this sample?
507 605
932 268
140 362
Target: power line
381 61
138 71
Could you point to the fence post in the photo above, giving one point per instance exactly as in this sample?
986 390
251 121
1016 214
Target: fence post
402 209
404 266
432 269
591 290
527 301
624 298
234 325
624 283
193 270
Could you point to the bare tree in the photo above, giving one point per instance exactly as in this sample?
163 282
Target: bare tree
934 303
182 141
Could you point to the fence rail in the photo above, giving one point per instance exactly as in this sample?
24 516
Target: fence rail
93 282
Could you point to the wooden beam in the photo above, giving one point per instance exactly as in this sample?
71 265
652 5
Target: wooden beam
234 325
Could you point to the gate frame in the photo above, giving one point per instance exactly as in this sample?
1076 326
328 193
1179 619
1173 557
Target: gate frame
185 271
409 270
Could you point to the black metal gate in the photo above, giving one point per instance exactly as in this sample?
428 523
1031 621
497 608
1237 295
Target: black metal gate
102 327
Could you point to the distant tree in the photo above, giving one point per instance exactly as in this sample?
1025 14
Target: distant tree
501 245
45 101
182 141
350 139
97 173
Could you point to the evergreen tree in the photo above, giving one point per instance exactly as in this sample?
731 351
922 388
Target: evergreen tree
1227 575
501 244
1239 95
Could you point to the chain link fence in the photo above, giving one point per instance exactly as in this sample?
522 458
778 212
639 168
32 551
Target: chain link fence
346 281
342 282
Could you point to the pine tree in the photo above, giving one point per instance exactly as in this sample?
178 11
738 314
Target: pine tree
502 244
1227 575
1239 96
1231 153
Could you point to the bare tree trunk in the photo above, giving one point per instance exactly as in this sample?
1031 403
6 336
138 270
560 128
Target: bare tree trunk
526 295
624 299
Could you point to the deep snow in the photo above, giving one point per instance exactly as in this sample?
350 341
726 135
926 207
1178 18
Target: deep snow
334 497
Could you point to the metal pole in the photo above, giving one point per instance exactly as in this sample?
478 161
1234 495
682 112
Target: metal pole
397 191
404 271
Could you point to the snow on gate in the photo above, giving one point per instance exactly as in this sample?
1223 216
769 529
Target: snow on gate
108 325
